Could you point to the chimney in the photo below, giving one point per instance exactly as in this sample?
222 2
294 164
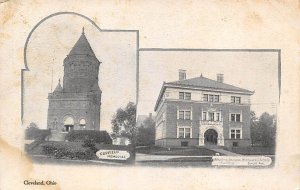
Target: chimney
182 74
220 78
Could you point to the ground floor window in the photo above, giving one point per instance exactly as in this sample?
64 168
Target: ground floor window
82 123
235 144
184 143
235 133
184 132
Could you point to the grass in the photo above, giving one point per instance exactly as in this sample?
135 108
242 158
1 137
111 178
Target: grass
189 151
256 150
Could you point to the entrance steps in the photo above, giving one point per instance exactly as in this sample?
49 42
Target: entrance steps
57 136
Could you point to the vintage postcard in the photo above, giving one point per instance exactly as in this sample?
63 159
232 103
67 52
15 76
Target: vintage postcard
149 95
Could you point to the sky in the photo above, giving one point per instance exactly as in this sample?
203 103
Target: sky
49 45
53 40
255 71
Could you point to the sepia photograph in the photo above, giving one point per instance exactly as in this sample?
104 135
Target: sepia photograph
208 105
79 92
149 95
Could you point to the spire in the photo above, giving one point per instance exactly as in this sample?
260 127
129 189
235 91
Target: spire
58 87
82 46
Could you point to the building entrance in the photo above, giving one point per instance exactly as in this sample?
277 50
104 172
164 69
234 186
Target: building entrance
211 137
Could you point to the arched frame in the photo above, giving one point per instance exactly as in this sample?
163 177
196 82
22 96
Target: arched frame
26 67
217 128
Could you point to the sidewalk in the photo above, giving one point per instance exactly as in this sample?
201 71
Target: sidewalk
148 157
225 152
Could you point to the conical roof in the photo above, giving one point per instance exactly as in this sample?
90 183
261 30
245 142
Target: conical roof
82 47
58 88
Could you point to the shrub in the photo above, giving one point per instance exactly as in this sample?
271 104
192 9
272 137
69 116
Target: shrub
88 143
95 136
65 150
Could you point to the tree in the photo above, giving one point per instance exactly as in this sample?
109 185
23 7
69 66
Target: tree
32 131
263 132
123 121
253 118
146 133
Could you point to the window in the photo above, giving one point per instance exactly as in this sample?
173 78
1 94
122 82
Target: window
211 116
184 132
184 143
181 133
235 144
181 115
186 115
218 117
188 96
211 98
216 98
235 134
82 123
236 117
204 116
235 99
181 95
185 95
232 99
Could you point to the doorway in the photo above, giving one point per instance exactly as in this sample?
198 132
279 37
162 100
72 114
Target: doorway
211 137
68 124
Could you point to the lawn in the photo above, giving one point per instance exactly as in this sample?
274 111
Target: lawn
256 150
188 151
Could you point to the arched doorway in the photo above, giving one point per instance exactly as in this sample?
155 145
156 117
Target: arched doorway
68 124
211 137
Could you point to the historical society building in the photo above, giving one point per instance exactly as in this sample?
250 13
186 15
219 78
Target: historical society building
75 105
201 112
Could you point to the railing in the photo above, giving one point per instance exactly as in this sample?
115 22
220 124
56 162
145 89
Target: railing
207 122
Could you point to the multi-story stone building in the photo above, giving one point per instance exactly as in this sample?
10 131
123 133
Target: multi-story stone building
76 104
201 111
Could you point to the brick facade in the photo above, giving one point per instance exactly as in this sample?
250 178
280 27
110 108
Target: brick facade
77 103
227 133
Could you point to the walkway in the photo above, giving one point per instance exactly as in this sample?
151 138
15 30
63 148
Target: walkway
149 157
222 151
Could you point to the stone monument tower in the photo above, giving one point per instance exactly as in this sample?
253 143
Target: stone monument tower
76 104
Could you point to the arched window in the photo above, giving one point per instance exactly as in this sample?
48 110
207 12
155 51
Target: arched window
82 123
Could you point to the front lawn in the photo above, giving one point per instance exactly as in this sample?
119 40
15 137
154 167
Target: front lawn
188 151
256 150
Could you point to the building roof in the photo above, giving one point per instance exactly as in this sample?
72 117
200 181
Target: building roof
82 47
207 83
204 84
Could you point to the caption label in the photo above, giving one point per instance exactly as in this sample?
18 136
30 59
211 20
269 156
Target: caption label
113 154
241 161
